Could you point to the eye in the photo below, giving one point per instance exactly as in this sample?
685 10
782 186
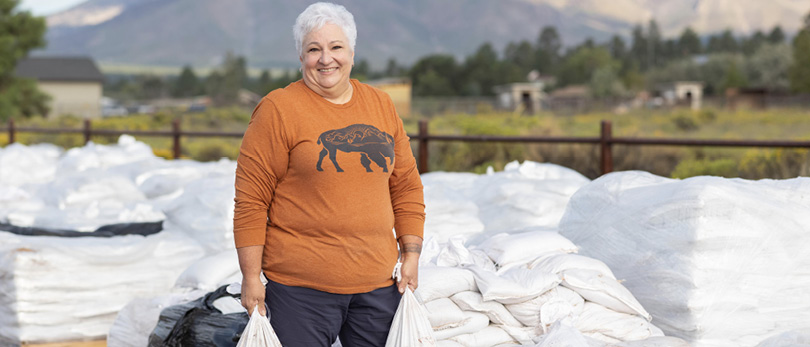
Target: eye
337 47
313 49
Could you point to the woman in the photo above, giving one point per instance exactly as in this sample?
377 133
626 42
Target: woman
320 230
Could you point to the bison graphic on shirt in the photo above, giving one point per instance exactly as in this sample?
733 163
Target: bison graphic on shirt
373 145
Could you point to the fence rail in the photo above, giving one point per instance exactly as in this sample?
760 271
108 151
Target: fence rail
605 140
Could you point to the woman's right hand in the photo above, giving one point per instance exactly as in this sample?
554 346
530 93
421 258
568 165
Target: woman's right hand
253 295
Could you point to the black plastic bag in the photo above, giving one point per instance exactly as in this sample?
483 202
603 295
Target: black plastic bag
199 323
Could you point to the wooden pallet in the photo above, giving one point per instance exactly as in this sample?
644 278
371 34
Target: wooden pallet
98 343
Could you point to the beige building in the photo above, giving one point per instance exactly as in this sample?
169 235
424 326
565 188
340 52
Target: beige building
686 93
526 97
400 91
74 84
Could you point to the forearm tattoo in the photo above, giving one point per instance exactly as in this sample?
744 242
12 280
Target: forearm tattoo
411 247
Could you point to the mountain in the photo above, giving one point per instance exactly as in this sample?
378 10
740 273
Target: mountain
200 32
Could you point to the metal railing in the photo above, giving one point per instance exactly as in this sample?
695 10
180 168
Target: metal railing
605 140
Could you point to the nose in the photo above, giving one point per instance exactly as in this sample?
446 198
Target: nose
326 57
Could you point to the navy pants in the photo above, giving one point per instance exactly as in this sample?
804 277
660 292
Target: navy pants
312 318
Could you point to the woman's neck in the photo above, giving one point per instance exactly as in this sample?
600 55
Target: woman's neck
339 94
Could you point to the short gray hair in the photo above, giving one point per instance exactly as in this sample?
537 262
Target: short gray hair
316 16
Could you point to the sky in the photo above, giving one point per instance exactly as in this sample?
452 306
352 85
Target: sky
46 7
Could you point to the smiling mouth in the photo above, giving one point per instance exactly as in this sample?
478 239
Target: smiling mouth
328 70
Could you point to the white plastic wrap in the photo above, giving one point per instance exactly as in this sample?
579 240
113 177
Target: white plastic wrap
718 262
57 289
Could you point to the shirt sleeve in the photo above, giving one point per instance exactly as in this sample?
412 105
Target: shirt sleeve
262 162
405 185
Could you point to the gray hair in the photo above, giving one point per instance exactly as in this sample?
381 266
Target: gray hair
316 16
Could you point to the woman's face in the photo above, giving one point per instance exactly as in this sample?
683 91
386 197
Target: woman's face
327 58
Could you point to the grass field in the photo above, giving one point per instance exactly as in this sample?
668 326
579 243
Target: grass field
772 124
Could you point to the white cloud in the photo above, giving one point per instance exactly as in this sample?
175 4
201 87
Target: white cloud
47 7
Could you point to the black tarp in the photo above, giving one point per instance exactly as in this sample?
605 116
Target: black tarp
111 230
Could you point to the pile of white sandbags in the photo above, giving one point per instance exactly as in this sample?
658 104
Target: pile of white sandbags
71 288
527 195
512 288
718 262
59 288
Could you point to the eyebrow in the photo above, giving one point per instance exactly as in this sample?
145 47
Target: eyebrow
331 42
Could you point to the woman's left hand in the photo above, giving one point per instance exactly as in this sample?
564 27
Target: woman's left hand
410 247
410 274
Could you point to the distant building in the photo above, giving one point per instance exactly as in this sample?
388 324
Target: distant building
399 89
74 84
573 98
687 93
524 97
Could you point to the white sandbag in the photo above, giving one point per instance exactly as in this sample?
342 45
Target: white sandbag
487 337
455 253
474 301
208 272
795 338
448 343
717 262
658 341
603 290
474 322
443 313
564 335
513 286
21 164
441 282
258 332
557 263
562 303
205 212
596 318
528 194
523 335
96 156
510 249
138 318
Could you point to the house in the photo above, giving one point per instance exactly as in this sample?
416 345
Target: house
73 83
526 98
687 93
572 98
399 89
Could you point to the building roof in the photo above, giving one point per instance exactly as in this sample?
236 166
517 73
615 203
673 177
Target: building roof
66 69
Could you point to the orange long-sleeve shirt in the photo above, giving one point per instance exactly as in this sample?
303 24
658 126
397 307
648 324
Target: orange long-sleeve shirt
321 186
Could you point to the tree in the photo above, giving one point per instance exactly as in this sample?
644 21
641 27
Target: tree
435 75
776 35
481 71
549 45
800 73
20 32
361 70
752 44
581 64
689 43
769 67
638 49
224 84
392 69
521 55
617 47
187 83
605 83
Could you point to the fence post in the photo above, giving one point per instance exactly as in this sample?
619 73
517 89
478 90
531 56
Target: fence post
87 130
605 145
10 131
176 135
423 146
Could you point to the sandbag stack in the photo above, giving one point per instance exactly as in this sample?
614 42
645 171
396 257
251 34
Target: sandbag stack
717 262
512 288
61 289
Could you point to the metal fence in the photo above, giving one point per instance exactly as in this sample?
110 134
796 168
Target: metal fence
605 140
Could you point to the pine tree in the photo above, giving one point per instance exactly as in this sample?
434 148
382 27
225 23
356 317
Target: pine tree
187 83
800 73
